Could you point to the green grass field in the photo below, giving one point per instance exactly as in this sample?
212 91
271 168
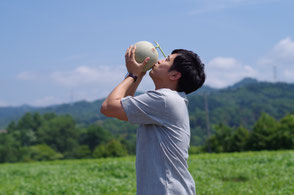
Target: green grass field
232 173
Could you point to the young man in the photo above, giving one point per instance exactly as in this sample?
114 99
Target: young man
163 137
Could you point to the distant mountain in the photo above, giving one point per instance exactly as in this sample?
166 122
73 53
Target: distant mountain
8 114
241 104
244 82
238 104
204 90
82 111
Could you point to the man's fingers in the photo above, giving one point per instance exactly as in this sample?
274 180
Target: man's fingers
128 52
132 52
146 61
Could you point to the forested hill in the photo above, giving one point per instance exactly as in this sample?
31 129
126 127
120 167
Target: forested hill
83 112
241 103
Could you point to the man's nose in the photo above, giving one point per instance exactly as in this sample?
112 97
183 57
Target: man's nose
160 61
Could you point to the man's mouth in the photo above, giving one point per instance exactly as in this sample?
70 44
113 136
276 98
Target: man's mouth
154 66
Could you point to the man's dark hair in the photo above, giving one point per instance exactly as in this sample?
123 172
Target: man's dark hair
190 66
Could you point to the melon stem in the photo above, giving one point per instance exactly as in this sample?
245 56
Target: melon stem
158 46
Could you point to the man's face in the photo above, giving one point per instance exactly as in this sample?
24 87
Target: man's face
160 69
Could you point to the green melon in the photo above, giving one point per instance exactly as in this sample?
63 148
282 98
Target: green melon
146 49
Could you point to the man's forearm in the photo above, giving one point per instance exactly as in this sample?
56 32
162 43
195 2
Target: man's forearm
125 88
121 90
131 91
112 107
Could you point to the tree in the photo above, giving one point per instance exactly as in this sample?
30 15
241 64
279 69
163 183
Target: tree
83 151
93 136
26 128
262 135
227 139
239 140
112 149
25 122
9 148
40 153
100 152
221 140
59 133
116 149
283 137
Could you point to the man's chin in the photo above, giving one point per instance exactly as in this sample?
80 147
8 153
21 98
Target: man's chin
151 74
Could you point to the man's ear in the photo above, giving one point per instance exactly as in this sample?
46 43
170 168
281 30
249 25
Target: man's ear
174 75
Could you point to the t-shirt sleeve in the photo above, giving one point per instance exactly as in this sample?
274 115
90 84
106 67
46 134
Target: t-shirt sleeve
148 108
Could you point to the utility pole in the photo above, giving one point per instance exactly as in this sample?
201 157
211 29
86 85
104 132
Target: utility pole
71 97
275 73
207 120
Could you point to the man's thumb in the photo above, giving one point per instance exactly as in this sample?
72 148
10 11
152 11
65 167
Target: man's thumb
146 61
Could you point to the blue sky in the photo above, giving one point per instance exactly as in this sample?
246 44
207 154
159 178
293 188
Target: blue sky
54 52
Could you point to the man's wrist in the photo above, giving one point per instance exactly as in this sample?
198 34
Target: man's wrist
134 76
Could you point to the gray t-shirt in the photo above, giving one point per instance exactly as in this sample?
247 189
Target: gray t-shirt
163 140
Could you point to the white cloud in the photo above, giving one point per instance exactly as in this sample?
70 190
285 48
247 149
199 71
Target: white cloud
94 82
46 101
3 103
26 76
289 74
85 76
222 71
280 56
81 83
223 63
91 83
277 65
284 50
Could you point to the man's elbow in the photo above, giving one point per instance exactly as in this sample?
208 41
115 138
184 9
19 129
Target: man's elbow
104 110
114 111
108 110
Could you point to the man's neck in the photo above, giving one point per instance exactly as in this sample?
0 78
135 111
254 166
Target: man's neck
171 86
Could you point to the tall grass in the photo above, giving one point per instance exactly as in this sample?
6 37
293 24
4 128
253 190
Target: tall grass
231 173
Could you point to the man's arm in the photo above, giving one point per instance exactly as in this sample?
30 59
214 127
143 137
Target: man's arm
133 88
112 106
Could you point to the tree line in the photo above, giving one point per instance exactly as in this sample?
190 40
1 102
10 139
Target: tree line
49 136
240 105
266 134
37 137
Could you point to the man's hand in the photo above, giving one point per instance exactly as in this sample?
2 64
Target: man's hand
132 65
